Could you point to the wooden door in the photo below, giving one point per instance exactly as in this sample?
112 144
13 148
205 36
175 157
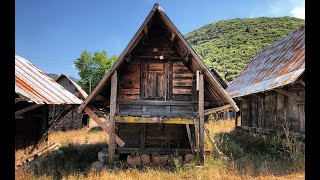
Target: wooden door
155 81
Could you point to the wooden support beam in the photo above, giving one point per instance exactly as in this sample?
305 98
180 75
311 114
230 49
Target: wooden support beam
16 100
301 82
145 31
186 58
216 109
201 117
196 130
103 125
214 103
152 150
143 136
302 117
134 119
197 74
157 57
215 148
128 57
21 111
291 95
156 103
113 99
190 138
173 36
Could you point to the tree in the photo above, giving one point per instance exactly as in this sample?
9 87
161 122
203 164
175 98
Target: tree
92 68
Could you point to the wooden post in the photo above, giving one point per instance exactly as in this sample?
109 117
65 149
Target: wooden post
302 118
274 113
196 130
201 117
113 100
250 111
143 136
190 139
264 111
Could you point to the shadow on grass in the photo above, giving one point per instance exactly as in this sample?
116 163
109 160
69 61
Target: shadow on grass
76 159
257 154
95 129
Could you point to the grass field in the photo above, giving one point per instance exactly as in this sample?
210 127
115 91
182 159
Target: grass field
250 157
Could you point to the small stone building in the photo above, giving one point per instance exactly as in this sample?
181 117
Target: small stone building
73 120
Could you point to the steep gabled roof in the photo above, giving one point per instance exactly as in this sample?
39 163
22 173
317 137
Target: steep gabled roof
213 84
80 90
33 85
278 64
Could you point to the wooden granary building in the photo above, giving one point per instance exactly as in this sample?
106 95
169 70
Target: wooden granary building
73 120
34 92
271 88
157 94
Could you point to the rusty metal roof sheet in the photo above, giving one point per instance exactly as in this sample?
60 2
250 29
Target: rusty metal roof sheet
276 65
33 85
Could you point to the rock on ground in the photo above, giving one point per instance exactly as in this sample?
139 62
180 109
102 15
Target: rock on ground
188 158
102 157
145 159
171 161
155 159
133 160
163 159
97 165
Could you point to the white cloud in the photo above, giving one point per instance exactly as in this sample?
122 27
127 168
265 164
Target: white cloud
298 9
298 12
274 8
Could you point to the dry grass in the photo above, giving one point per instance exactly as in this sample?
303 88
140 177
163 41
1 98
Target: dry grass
82 136
82 143
209 173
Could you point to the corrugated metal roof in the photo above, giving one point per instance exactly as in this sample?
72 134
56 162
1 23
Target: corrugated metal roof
81 91
33 85
276 65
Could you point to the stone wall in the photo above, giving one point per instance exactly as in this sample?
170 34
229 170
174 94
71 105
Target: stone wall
72 121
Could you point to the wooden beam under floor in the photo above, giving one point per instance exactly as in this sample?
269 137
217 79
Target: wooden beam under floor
91 114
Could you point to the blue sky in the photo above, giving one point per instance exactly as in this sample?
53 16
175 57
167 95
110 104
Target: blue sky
52 34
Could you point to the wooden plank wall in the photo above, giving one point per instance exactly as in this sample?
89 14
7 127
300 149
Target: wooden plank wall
144 77
30 127
270 110
129 81
156 136
182 82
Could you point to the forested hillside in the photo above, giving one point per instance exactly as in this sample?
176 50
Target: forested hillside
229 45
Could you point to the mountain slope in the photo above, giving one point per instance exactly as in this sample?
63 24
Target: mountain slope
229 45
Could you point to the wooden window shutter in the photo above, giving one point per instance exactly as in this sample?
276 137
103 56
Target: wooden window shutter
161 86
151 85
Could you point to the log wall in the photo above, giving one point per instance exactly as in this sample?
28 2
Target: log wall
270 110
